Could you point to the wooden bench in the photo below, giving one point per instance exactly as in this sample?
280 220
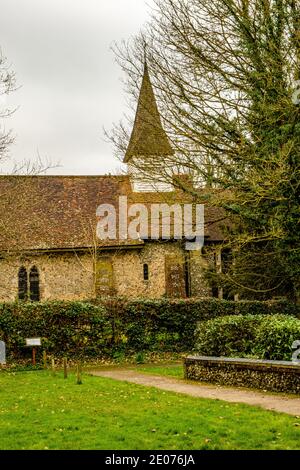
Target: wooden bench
275 376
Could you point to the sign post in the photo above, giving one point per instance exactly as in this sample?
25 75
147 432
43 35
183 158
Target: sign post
33 343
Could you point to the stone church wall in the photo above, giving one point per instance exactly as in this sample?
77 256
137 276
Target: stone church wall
128 270
62 276
199 286
71 277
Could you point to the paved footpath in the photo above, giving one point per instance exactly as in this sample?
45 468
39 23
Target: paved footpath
276 402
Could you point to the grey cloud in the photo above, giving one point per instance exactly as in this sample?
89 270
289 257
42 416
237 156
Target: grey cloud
70 83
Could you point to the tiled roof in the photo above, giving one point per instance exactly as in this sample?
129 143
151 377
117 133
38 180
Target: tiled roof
59 212
216 221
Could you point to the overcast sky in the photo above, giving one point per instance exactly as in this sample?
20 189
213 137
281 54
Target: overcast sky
70 84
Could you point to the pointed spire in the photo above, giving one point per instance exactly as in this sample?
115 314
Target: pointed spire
148 137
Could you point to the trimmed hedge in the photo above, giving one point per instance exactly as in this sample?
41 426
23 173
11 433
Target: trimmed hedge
276 336
257 336
67 328
169 325
118 326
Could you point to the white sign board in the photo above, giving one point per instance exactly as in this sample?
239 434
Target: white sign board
33 342
2 353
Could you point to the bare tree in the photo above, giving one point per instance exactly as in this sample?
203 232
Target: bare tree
7 85
18 195
224 74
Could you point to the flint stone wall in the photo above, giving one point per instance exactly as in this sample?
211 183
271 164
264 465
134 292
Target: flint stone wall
275 376
71 277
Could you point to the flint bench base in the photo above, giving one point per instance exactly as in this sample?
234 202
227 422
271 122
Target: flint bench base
274 376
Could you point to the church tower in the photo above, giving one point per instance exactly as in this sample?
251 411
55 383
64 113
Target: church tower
149 145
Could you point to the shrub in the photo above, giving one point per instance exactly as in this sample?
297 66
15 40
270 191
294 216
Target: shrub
227 336
260 336
67 328
275 337
169 325
119 327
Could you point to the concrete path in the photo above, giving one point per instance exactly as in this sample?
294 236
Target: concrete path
276 402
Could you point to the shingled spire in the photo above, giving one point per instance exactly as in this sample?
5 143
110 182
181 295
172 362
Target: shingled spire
148 137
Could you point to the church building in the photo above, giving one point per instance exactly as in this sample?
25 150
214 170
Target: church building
49 249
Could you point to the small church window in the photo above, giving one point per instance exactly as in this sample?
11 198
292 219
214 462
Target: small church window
23 283
146 272
34 284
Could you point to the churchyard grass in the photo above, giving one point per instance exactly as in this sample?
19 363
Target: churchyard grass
175 371
39 411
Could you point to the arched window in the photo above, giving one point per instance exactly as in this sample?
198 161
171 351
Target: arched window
146 272
34 282
23 283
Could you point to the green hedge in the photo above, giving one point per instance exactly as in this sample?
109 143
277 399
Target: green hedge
66 328
118 326
169 325
275 337
259 336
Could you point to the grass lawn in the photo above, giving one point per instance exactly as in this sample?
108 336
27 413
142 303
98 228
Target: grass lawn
38 411
165 370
